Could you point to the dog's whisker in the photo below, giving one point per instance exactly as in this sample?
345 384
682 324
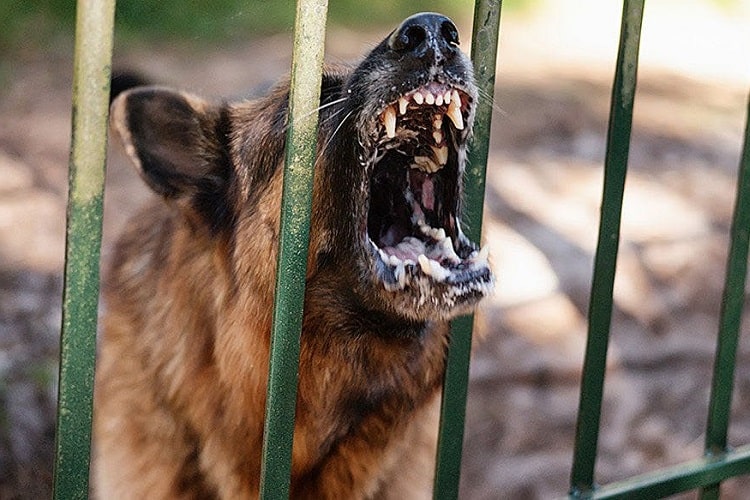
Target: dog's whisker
316 110
335 132
493 103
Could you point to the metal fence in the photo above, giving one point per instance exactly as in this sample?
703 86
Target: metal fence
90 100
719 462
94 33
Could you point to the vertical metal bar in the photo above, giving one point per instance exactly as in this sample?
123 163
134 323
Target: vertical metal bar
600 305
91 76
453 408
733 300
301 142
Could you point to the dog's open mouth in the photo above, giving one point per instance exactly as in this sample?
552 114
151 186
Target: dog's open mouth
414 191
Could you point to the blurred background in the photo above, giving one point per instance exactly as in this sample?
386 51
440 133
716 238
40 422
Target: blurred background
555 69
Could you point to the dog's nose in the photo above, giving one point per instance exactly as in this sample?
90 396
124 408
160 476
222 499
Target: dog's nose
429 37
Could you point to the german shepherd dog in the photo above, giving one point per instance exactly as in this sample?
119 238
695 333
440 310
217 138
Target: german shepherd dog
182 375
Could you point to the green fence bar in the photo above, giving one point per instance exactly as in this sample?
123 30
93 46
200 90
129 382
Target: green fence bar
301 142
600 305
683 477
731 315
91 76
453 408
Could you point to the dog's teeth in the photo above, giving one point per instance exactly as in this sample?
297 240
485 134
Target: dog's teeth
454 112
418 97
437 122
402 104
429 98
424 264
400 274
480 259
447 97
450 251
394 261
441 154
438 136
447 245
436 234
389 120
438 272
439 100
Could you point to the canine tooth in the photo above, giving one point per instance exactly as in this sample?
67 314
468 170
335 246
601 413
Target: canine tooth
424 263
438 136
441 154
400 275
440 235
418 97
454 112
402 104
479 259
450 251
429 98
389 120
439 100
447 97
438 272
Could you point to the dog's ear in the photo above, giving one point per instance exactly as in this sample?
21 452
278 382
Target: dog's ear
180 145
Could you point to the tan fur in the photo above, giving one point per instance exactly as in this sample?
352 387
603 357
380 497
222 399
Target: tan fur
165 284
182 373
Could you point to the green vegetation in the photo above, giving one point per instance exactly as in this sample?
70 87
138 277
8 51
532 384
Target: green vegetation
35 24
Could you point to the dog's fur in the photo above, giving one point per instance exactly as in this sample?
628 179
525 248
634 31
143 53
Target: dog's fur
181 380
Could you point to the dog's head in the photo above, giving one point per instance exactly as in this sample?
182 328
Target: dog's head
414 101
389 176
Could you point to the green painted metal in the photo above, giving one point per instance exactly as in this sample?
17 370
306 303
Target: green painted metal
453 407
605 261
86 181
731 315
453 411
680 478
307 63
91 77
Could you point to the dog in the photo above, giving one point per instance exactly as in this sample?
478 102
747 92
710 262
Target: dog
182 373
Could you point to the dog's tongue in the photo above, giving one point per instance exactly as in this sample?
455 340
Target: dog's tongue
428 193
423 188
409 248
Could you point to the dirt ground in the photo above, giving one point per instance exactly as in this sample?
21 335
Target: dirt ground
543 194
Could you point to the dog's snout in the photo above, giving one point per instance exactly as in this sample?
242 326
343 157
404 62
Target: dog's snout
429 37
